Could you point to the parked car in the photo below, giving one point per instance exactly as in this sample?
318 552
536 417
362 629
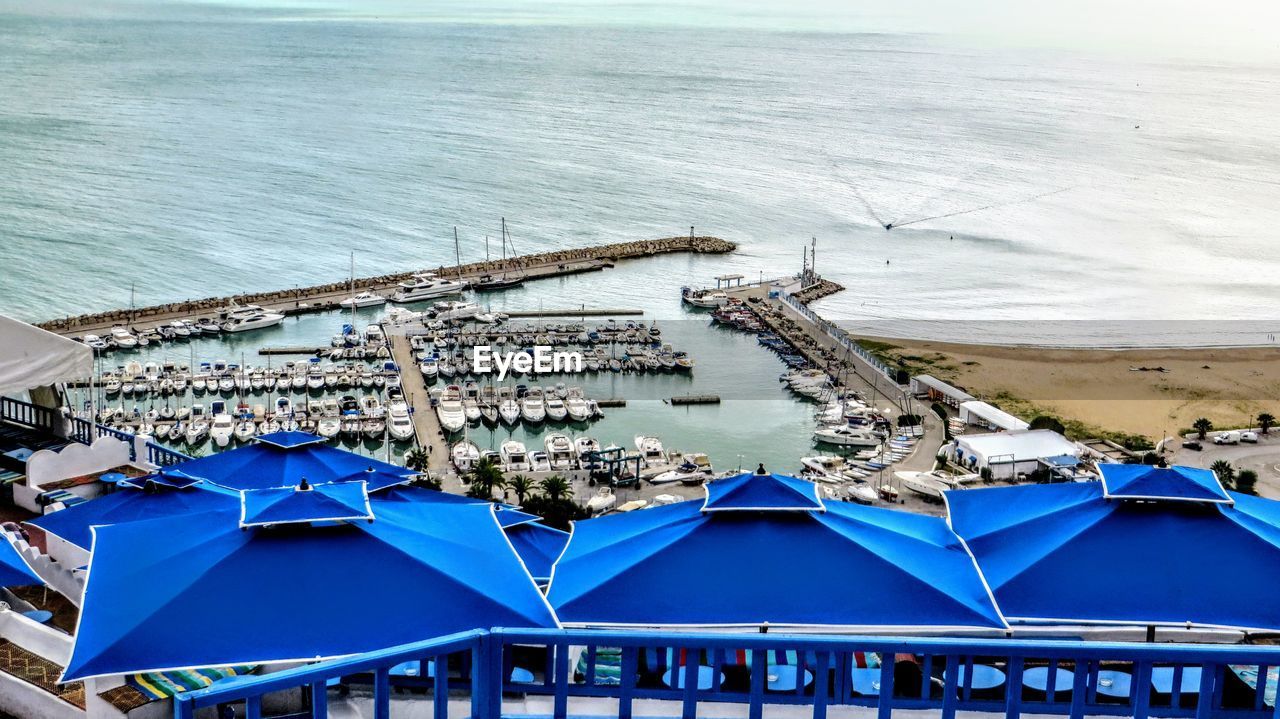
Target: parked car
1227 438
1192 444
1250 437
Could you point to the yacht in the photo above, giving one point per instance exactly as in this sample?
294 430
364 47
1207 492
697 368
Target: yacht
465 454
452 415
577 407
584 446
695 469
245 430
221 429
602 502
556 409
539 462
931 485
399 425
251 321
532 407
650 449
508 409
560 452
123 338
430 368
471 408
328 427
515 458
709 299
364 299
196 432
846 436
426 286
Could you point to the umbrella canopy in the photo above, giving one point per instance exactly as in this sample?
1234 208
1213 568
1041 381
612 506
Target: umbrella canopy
75 523
538 545
764 548
335 502
285 459
14 570
1068 553
176 593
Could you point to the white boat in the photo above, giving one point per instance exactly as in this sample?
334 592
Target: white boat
695 469
650 449
508 410
328 427
222 429
430 368
846 436
539 462
269 426
399 424
364 299
602 502
123 338
556 409
197 431
465 454
560 452
585 446
245 430
515 458
471 409
577 408
95 342
373 428
452 416
704 298
252 321
426 286
861 491
931 485
532 408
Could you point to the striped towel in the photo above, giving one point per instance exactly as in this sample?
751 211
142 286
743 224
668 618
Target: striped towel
608 666
158 685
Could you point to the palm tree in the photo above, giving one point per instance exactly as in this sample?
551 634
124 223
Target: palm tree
1202 426
417 459
556 487
1246 481
1265 421
486 476
522 486
1225 472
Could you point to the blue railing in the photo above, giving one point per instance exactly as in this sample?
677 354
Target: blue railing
28 415
606 672
81 430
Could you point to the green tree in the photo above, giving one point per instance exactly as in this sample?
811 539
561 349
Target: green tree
427 481
1247 481
1266 421
1045 421
556 487
417 459
1202 426
1226 473
486 476
556 513
523 487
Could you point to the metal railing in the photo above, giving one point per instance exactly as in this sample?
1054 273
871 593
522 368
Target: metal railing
689 671
44 419
28 415
841 337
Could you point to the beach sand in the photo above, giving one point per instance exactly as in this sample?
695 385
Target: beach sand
1100 388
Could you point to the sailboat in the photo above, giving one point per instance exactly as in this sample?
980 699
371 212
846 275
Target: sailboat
492 282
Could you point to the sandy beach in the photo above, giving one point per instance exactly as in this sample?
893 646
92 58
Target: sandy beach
1107 389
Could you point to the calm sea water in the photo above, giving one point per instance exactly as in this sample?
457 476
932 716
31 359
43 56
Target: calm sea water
242 148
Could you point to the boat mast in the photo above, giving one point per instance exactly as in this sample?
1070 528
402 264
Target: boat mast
353 289
457 252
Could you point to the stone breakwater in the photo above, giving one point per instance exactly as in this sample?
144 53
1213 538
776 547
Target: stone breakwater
817 291
543 264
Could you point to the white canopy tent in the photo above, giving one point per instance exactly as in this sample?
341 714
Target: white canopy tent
31 357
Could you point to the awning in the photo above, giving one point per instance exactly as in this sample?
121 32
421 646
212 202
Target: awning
31 357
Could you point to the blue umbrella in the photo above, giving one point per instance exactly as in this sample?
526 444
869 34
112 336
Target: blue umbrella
1090 552
74 524
14 570
178 593
764 548
284 459
538 545
334 502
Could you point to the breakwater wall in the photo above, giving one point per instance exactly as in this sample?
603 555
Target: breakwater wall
316 297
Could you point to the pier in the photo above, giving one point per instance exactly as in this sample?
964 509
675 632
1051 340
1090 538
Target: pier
426 425
694 399
319 298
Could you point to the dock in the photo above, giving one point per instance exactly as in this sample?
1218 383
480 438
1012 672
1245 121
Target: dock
694 399
574 312
426 425
615 402
319 298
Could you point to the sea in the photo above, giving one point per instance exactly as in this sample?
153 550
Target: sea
152 152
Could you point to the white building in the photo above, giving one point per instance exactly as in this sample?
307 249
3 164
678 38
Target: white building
989 416
1008 454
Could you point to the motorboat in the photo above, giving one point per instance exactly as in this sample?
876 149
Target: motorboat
560 452
931 485
222 429
576 406
363 299
399 424
603 501
861 491
328 427
373 427
847 436
123 338
508 407
514 456
489 413
252 321
245 430
556 409
539 461
452 416
465 454
95 342
430 368
471 408
532 408
694 470
426 286
650 449
196 432
585 446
